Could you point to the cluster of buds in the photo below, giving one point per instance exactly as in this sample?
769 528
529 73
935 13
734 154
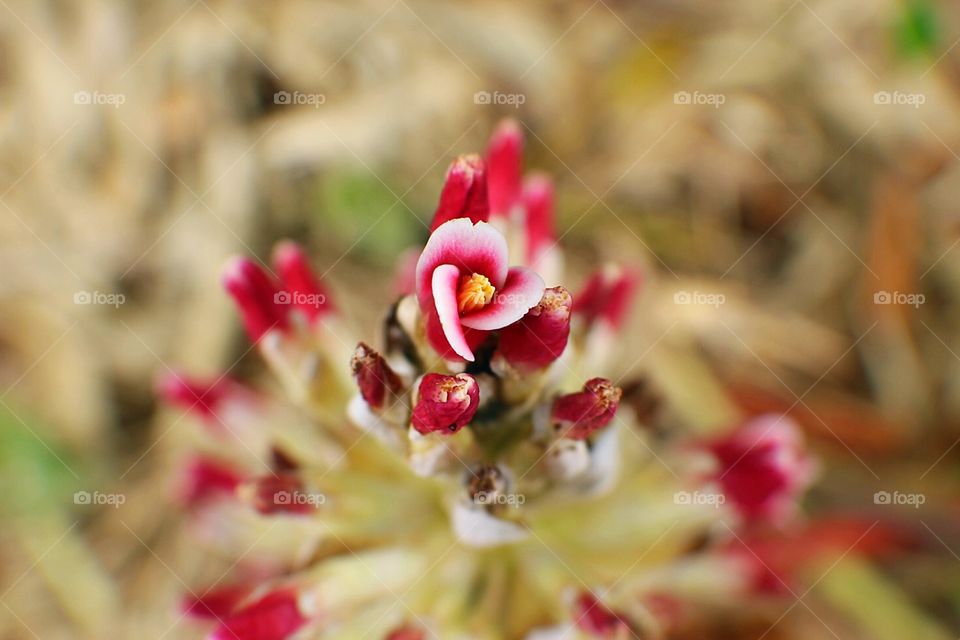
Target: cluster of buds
469 462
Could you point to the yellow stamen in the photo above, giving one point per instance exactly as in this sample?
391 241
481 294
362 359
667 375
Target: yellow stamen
475 292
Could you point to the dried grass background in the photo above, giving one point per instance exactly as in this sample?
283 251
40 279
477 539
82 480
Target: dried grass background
798 199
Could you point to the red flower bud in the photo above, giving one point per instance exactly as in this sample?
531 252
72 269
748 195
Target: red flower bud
275 616
538 202
606 296
580 414
377 381
445 403
406 633
205 478
282 493
203 397
215 603
256 296
504 166
464 192
763 467
302 289
592 617
539 337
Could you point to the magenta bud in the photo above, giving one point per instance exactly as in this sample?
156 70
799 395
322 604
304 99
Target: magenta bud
377 381
205 398
579 414
205 479
763 467
275 616
302 288
215 603
539 337
257 297
592 617
406 632
464 192
607 296
445 403
504 167
538 198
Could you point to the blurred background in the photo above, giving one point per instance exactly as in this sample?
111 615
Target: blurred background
785 172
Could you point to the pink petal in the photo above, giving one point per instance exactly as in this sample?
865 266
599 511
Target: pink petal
275 616
538 201
445 280
256 296
215 603
301 285
521 292
504 160
438 340
472 248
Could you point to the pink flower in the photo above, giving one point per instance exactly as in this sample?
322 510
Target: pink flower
540 336
594 618
463 283
464 192
577 415
762 467
275 616
377 381
445 403
266 303
606 296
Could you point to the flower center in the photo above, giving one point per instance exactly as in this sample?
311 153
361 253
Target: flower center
475 292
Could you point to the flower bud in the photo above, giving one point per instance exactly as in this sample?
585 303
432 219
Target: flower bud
302 289
540 337
275 616
762 467
464 192
282 493
577 415
215 603
538 199
205 478
592 617
406 632
377 381
606 296
205 398
257 297
445 403
504 167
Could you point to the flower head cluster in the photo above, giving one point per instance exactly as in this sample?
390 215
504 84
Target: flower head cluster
471 476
